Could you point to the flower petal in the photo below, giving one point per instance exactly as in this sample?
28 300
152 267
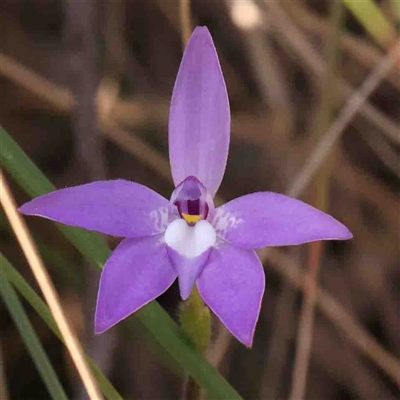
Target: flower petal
188 269
115 207
189 248
272 219
232 285
137 272
199 121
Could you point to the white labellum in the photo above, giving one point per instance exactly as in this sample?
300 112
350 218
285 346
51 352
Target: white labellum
190 241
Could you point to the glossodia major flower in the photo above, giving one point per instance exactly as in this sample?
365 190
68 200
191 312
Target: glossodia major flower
186 237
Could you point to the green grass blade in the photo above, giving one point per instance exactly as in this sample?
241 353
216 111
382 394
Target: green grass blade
395 8
25 290
32 180
373 20
55 259
31 340
153 317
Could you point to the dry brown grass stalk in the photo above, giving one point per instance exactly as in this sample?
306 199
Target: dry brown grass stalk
327 304
3 382
292 38
186 25
353 105
49 292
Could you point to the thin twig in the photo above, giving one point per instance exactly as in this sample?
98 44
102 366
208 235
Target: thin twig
115 57
268 71
186 26
384 151
321 188
81 46
138 147
352 45
349 110
298 44
284 317
217 351
338 315
266 66
361 184
50 294
306 324
54 94
3 381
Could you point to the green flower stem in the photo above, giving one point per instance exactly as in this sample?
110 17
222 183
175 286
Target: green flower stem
195 320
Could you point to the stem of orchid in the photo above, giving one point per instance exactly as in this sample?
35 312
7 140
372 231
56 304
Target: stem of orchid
195 319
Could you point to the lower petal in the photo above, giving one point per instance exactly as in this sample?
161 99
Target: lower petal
188 269
189 248
136 273
232 285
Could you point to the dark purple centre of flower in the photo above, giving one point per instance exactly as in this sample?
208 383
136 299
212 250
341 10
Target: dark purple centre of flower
192 200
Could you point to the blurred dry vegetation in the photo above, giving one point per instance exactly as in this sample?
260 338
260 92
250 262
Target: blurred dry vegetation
85 90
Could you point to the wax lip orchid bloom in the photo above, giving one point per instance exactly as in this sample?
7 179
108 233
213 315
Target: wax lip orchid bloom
186 237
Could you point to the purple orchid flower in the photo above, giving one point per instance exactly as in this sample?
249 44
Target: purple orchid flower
186 237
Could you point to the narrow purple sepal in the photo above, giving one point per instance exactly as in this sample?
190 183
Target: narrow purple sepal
136 273
232 285
115 207
271 219
199 121
188 269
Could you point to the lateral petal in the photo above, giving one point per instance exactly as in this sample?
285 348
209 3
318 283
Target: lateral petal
136 273
272 219
232 285
199 121
115 207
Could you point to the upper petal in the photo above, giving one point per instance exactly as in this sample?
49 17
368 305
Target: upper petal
272 219
199 121
115 207
137 272
232 285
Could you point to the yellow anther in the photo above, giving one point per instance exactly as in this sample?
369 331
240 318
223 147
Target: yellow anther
191 219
